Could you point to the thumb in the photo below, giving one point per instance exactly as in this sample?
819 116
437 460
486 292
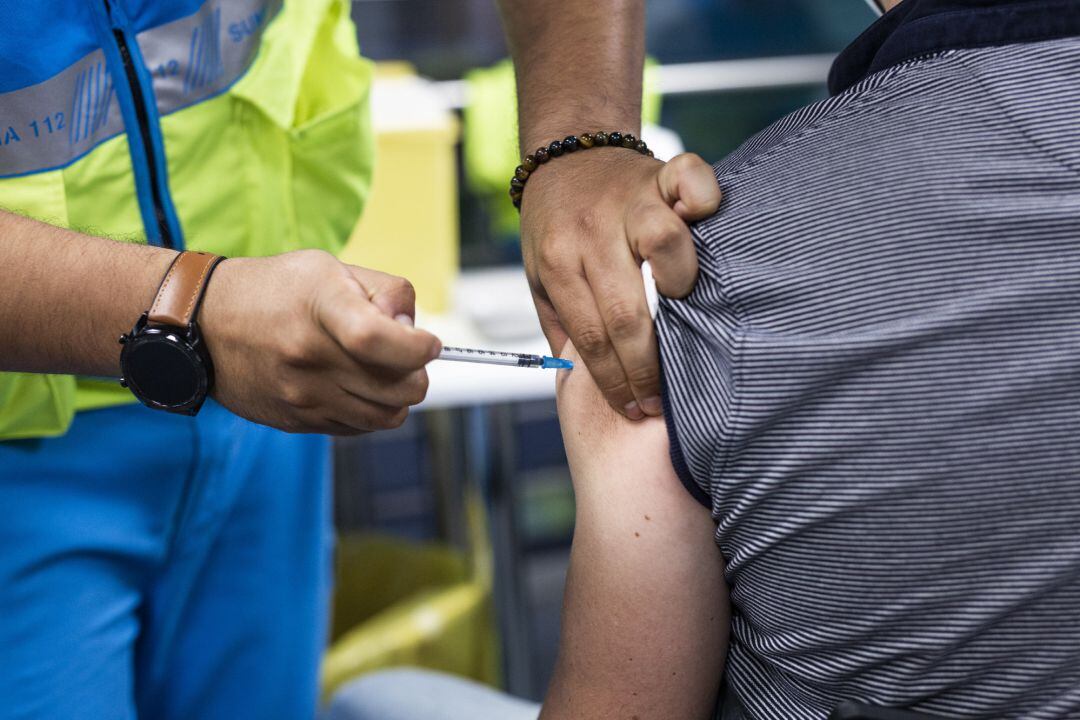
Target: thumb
392 295
689 187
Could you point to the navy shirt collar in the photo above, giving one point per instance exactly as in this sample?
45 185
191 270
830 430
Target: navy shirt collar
922 27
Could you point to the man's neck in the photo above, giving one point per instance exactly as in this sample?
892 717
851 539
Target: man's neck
890 4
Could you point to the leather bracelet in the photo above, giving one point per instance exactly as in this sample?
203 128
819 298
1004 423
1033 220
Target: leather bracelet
570 144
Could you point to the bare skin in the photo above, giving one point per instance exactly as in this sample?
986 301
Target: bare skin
300 341
645 614
588 220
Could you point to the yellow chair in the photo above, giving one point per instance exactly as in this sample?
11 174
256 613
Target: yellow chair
400 603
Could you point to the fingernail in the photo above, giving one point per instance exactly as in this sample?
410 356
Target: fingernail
652 406
633 411
404 319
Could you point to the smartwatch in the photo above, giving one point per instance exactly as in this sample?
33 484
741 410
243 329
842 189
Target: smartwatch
164 361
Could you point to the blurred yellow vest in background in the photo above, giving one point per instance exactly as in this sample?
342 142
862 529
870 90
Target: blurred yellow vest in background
410 225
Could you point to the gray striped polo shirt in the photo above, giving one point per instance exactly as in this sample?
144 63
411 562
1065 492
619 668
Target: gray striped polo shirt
875 387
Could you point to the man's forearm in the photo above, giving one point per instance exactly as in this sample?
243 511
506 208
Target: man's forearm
65 297
579 66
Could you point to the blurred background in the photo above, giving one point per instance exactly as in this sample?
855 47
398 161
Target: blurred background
454 531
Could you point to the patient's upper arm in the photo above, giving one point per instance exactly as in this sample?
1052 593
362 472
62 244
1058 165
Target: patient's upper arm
645 616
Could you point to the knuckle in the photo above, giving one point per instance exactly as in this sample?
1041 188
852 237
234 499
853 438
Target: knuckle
552 260
685 161
661 232
364 420
419 389
556 255
587 222
360 335
296 395
313 257
295 351
394 419
404 288
591 341
644 376
624 320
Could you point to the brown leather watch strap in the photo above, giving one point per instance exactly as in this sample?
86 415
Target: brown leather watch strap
182 289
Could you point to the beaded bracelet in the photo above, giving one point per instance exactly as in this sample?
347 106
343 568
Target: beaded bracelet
572 143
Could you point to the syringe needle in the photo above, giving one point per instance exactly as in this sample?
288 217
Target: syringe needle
554 363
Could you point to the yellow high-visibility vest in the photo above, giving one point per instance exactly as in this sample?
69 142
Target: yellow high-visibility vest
238 127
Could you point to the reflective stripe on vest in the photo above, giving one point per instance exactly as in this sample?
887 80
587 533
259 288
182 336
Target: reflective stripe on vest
52 124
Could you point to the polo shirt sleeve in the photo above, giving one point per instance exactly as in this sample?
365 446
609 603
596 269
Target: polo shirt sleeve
699 339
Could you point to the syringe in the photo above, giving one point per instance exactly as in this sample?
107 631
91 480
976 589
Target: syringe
492 357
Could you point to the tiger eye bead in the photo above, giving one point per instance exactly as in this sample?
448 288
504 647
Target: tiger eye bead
569 144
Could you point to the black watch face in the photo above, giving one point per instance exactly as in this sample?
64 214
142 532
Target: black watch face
162 370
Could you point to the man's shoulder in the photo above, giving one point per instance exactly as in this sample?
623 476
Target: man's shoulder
854 117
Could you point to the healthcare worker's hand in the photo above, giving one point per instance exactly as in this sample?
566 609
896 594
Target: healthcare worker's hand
306 343
588 221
